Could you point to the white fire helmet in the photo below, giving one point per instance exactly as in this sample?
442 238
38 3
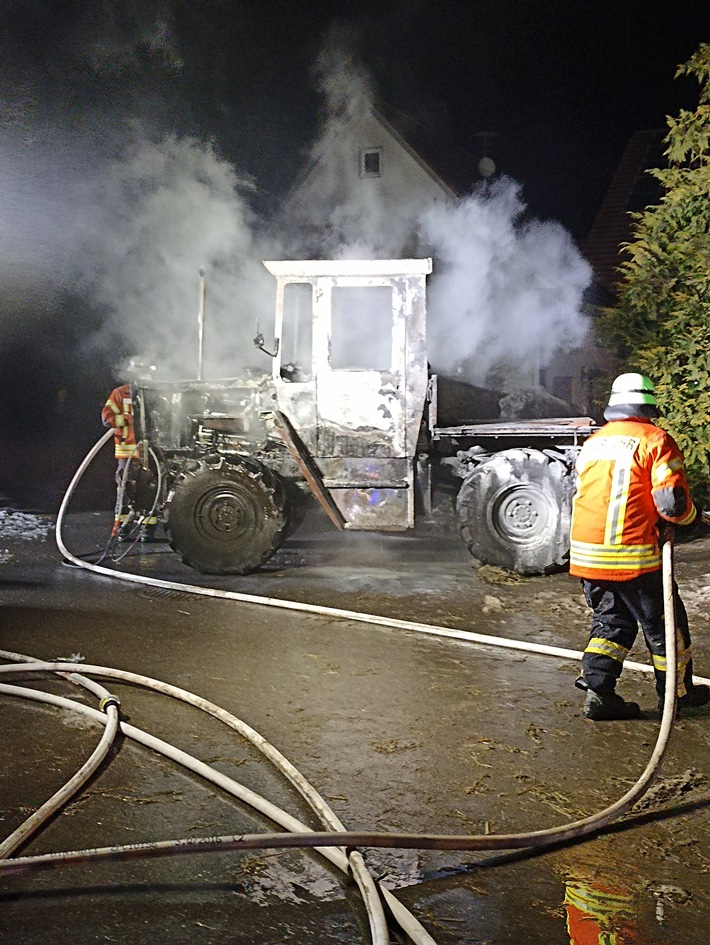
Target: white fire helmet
632 389
138 369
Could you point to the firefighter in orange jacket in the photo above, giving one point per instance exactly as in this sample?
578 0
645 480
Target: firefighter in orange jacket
117 412
630 475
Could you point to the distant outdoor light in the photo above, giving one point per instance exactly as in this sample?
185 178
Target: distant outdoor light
486 167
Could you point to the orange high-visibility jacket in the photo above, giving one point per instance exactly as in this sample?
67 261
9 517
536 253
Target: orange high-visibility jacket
118 413
598 915
630 474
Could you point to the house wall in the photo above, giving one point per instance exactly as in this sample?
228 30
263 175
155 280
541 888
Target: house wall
337 206
574 376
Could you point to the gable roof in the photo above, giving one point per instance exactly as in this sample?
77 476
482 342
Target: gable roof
450 168
630 191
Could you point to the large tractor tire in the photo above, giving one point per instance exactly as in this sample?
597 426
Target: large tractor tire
514 511
226 519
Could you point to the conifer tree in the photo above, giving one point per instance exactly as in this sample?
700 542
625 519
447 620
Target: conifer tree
661 323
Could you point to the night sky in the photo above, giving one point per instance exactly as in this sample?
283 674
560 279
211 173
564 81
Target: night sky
561 83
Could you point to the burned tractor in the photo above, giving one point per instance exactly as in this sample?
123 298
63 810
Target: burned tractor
348 415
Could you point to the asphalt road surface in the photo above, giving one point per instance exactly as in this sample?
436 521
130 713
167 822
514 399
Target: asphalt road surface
398 730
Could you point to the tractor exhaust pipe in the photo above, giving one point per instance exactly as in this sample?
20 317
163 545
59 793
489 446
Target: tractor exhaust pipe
201 324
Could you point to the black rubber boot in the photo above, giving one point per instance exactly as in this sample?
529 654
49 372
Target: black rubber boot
609 707
694 698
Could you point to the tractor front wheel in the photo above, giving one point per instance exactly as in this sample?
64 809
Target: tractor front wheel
226 519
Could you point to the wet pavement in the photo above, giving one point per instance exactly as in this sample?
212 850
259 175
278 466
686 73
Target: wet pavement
399 731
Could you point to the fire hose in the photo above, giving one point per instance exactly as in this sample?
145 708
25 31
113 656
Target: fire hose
350 862
336 837
331 612
538 838
129 530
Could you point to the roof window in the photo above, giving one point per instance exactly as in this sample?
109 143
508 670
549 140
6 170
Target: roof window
371 162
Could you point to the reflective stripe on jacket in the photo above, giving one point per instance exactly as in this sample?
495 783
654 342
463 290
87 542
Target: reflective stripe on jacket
599 916
630 474
118 413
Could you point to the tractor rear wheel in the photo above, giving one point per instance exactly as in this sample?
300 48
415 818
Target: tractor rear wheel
226 519
514 511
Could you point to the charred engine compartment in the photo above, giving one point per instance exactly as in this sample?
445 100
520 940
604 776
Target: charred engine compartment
228 492
229 419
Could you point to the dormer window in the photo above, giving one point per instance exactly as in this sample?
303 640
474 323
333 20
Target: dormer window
371 162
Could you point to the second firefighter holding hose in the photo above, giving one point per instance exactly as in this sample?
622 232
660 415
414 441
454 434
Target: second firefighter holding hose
630 478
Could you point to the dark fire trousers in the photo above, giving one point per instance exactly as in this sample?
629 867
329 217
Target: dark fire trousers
619 608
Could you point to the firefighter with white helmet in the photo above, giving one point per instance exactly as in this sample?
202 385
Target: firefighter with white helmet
117 413
630 478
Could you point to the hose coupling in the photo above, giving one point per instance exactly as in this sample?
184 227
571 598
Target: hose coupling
348 853
109 701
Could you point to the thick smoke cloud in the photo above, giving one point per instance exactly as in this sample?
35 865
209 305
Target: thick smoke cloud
122 213
108 214
165 209
508 291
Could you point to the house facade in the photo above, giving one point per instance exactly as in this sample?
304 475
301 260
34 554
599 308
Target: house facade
363 191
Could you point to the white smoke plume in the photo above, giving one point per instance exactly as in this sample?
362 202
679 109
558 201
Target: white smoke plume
506 290
342 80
107 220
166 209
98 205
333 212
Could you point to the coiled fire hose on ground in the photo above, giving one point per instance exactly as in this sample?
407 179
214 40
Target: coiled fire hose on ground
338 837
109 706
351 862
350 839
